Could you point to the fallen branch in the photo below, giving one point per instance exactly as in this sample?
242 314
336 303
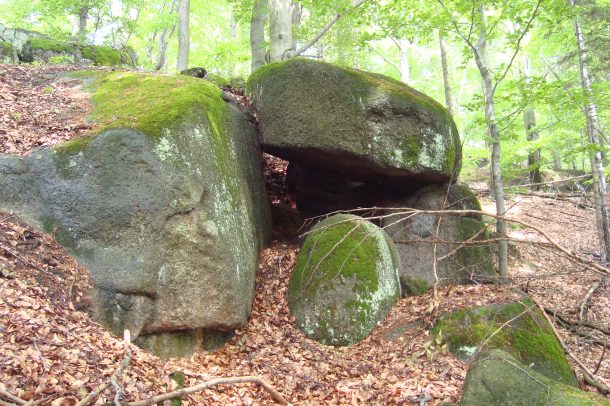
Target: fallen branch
401 211
583 323
14 399
114 377
585 301
277 396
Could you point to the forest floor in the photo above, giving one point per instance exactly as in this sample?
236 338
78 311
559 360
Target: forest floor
51 351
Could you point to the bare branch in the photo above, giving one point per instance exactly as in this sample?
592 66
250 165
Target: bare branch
277 396
328 26
517 48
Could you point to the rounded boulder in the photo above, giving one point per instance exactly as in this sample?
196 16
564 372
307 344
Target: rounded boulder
345 280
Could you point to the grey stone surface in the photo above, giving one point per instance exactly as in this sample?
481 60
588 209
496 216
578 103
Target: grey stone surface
414 234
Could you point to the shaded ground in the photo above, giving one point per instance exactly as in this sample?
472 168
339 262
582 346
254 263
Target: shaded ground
54 353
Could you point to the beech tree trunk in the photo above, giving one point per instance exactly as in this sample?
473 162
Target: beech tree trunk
163 38
184 39
595 155
403 58
481 59
257 33
533 158
83 14
556 160
446 83
280 30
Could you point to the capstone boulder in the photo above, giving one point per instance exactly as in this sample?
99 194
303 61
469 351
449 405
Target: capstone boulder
364 126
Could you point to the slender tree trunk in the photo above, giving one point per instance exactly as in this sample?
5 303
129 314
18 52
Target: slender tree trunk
163 38
556 161
403 58
280 30
184 38
83 14
446 83
233 25
496 150
595 156
297 10
533 158
257 33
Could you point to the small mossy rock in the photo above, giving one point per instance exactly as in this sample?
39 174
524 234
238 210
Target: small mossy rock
414 234
164 204
345 280
48 50
101 55
7 52
361 125
200 73
496 378
518 328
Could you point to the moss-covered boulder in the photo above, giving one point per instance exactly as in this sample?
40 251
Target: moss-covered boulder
518 328
7 52
459 259
497 378
101 55
164 204
345 280
362 125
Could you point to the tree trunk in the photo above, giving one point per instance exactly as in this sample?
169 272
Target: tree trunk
403 57
163 38
257 33
446 83
556 161
83 14
496 150
280 30
533 158
595 156
233 25
184 38
297 11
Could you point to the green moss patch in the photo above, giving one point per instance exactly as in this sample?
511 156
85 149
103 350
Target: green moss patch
344 281
6 48
149 103
101 55
48 44
517 328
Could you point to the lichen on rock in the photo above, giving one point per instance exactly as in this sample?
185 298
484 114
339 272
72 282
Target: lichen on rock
345 280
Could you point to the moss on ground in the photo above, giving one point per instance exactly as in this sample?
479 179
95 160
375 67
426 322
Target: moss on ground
101 55
517 328
48 44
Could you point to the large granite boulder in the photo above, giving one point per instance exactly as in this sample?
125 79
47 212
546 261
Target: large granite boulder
345 280
518 328
416 236
364 126
48 50
165 206
497 378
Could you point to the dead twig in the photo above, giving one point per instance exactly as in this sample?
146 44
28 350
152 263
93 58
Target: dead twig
585 301
277 396
564 320
12 398
114 377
